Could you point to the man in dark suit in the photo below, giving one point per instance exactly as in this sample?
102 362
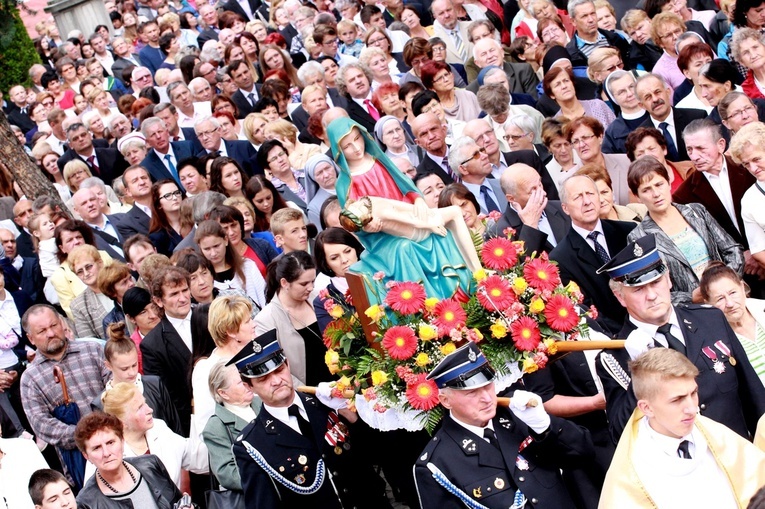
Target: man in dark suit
483 455
470 161
430 135
163 157
730 392
588 246
18 113
655 97
521 77
166 350
289 436
539 222
248 93
104 227
123 57
486 138
104 163
587 32
209 15
138 186
21 272
354 81
22 211
240 151
249 13
169 114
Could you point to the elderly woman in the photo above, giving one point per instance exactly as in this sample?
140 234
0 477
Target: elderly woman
320 178
143 434
665 29
748 48
202 282
287 134
691 60
601 63
133 148
747 148
495 99
736 110
377 62
376 37
586 136
91 306
458 104
75 171
98 99
386 100
460 196
687 236
724 289
230 128
231 326
633 212
716 79
116 473
411 18
235 408
113 281
564 161
289 182
648 141
644 52
558 85
391 134
552 31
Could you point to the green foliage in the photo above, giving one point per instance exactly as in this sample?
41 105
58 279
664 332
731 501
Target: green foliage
17 52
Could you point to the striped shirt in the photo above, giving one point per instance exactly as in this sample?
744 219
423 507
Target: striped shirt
755 350
86 376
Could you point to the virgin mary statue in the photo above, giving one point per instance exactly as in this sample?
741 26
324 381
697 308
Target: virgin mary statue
443 263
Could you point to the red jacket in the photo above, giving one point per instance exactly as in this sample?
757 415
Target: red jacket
750 87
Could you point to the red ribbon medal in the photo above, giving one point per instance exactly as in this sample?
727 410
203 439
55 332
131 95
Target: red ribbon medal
718 366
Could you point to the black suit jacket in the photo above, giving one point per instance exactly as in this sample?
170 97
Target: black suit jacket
243 153
530 158
578 262
734 398
491 475
243 104
111 164
105 242
543 153
156 167
207 35
520 76
122 63
21 120
682 117
233 6
24 245
300 116
133 222
166 356
289 32
696 189
360 115
28 280
534 239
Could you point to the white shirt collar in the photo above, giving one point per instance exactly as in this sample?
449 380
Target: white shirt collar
584 232
653 330
282 413
666 443
476 430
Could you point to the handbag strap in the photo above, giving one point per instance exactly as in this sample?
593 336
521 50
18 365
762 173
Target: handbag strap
214 483
759 188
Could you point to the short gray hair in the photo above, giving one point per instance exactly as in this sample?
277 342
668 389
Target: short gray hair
42 201
216 380
310 68
115 117
159 108
573 4
523 122
456 156
149 123
480 22
204 202
563 191
92 182
494 98
172 86
210 119
703 124
340 78
648 76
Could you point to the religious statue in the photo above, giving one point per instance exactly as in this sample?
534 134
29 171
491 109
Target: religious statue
404 239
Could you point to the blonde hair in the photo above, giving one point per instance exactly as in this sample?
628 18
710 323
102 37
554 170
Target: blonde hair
226 315
662 19
41 149
151 265
596 60
311 89
247 124
116 399
633 18
370 52
74 166
284 129
750 135
83 253
282 217
657 366
235 201
94 93
607 4
346 23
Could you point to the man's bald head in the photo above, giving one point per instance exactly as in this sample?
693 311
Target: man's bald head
8 240
518 181
423 119
21 212
488 52
86 204
332 114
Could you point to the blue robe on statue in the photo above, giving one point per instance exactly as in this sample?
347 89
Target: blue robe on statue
436 262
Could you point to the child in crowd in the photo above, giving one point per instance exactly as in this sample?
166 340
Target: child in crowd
43 229
348 33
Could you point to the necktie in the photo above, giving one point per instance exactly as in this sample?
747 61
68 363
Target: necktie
459 45
489 435
672 341
92 163
491 205
599 250
683 451
251 97
305 427
172 169
372 110
672 154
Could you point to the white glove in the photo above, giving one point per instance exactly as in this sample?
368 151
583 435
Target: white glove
324 393
535 417
638 342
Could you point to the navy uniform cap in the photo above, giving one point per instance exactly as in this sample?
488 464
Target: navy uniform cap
637 264
465 368
260 356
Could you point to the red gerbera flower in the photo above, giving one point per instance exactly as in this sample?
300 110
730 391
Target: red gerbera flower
560 313
525 333
449 315
422 394
495 294
499 254
407 298
400 342
541 274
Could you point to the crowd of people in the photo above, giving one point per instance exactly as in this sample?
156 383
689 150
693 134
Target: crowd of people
200 174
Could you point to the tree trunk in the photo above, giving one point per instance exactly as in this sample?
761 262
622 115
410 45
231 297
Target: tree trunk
24 171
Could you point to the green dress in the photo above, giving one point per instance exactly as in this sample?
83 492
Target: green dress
436 262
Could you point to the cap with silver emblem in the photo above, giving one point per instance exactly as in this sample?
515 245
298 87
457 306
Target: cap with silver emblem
465 368
260 356
638 264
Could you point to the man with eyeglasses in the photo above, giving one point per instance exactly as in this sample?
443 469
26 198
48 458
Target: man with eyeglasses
620 87
85 203
248 92
326 37
470 161
140 78
123 56
105 163
208 132
162 160
189 111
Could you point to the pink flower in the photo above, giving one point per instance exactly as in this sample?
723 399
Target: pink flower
379 276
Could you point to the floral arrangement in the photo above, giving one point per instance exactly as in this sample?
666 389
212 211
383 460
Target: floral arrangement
516 312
